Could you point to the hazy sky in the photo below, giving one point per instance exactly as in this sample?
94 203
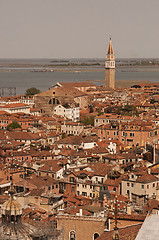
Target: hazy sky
78 28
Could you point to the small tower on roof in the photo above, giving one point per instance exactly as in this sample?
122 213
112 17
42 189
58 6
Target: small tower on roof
110 67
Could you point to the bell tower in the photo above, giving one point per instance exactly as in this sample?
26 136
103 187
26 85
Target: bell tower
110 67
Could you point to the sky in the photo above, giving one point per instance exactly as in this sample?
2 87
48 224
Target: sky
78 28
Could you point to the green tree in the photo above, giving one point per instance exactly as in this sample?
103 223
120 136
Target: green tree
90 109
63 135
88 120
32 91
13 125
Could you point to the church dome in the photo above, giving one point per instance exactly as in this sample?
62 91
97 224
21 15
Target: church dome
11 207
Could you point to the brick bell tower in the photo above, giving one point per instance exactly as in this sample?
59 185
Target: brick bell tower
110 67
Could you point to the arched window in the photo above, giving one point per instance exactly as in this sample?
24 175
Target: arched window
54 101
96 235
72 235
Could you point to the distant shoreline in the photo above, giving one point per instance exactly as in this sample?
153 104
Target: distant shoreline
77 69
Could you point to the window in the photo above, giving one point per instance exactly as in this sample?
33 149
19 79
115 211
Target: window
128 184
95 236
132 185
147 186
128 193
84 194
153 184
107 133
114 189
72 235
131 134
142 186
72 179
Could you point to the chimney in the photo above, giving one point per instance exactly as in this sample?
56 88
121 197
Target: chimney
149 171
129 209
80 211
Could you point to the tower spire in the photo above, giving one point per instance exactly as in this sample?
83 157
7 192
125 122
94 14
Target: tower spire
110 67
110 49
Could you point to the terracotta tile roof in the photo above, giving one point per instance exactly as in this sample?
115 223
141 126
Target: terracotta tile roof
19 135
37 181
151 204
111 182
100 169
15 105
77 140
147 178
76 210
36 192
129 232
50 165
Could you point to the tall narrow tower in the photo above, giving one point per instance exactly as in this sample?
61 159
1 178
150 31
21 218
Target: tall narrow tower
110 67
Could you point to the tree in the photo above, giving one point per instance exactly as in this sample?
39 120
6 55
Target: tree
88 120
90 109
13 125
32 91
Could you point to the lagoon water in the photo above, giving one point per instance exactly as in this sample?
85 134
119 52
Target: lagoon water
44 80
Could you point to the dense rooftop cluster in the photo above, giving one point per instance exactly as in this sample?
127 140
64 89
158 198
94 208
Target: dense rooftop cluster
78 147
